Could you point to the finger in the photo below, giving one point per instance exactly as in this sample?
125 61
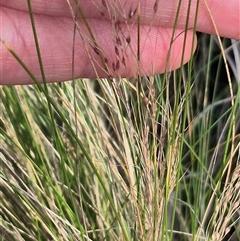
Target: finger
55 36
225 16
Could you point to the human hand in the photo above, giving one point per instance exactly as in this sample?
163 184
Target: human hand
54 24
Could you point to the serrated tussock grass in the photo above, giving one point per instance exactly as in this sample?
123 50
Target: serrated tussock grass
143 158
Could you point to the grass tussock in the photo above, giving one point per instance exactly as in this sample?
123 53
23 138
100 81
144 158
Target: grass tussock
145 158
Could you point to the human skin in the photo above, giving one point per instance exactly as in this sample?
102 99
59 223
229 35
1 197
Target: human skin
54 24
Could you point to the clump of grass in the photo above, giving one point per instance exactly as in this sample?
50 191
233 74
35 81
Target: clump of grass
146 158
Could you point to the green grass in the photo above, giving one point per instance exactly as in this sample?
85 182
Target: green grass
153 158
